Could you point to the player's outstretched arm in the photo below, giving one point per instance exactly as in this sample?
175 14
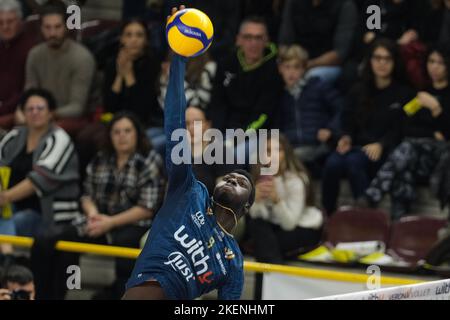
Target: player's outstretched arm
175 122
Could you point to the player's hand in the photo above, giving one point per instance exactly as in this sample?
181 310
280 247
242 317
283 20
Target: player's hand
344 145
323 135
373 151
175 10
98 225
5 294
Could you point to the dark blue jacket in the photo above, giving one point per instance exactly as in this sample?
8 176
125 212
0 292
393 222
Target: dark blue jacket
318 107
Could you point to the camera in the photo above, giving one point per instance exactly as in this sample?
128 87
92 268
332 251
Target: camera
20 295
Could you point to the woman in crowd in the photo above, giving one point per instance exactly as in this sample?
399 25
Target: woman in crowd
283 217
425 133
370 124
124 187
43 189
131 80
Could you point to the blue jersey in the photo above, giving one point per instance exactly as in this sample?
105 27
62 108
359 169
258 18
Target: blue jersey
187 252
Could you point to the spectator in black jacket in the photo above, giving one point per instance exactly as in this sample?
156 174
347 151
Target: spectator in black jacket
426 133
131 81
325 28
247 85
309 114
370 124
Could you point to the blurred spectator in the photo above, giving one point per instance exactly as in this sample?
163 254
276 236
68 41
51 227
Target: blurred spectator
124 188
434 26
325 28
399 21
18 284
204 172
63 67
200 73
370 124
310 108
225 16
44 171
425 135
283 217
131 81
270 10
247 86
15 43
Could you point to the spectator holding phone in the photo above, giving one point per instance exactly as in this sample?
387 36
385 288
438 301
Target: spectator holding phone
283 217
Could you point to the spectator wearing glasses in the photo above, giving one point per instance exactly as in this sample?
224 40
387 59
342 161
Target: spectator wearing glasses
247 86
43 186
371 124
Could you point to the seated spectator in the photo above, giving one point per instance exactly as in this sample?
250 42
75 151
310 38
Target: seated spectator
246 90
325 28
44 190
247 86
205 173
310 108
124 188
131 81
63 67
370 124
15 43
18 284
426 133
283 217
43 186
400 22
200 73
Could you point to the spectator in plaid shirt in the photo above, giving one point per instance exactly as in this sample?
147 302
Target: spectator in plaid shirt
123 189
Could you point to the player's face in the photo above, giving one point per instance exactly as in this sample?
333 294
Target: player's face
53 28
233 191
124 136
9 25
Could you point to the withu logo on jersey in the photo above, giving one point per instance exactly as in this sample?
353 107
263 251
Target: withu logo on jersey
195 250
198 218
